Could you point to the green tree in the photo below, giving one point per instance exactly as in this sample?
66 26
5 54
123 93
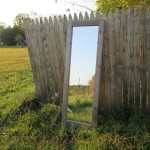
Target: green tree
19 38
8 35
20 19
1 28
110 5
92 84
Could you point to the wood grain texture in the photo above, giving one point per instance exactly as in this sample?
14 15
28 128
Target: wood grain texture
125 56
148 49
118 68
32 59
144 59
137 57
130 23
112 54
67 71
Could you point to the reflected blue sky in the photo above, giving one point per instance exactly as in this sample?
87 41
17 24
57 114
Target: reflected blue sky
83 57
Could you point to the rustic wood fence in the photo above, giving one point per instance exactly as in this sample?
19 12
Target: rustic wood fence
125 78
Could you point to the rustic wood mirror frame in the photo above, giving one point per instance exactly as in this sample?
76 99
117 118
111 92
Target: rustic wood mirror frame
71 24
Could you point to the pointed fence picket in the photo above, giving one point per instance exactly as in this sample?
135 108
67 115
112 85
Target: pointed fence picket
125 76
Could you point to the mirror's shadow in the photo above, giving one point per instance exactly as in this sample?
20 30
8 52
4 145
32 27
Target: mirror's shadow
82 73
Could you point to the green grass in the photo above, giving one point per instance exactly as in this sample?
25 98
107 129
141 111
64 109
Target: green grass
26 124
16 80
80 101
81 107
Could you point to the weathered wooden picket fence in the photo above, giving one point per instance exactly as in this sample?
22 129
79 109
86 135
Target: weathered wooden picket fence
125 78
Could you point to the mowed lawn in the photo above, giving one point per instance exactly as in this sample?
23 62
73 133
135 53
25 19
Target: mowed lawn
16 80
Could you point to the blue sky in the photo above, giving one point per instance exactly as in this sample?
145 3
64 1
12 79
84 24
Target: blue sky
83 57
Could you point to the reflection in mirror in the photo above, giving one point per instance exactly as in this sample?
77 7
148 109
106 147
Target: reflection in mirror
82 73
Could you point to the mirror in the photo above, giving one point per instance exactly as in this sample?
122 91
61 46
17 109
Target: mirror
82 72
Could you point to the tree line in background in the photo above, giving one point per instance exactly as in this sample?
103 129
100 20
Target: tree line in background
12 35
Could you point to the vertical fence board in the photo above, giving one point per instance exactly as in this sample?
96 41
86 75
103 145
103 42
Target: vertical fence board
112 44
51 58
97 15
118 64
62 40
137 57
46 59
65 27
102 100
106 70
148 49
103 16
125 55
59 56
70 17
86 16
80 16
32 58
54 55
75 17
130 22
38 62
144 58
92 16
39 28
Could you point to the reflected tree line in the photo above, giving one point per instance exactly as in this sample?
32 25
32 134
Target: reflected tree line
83 89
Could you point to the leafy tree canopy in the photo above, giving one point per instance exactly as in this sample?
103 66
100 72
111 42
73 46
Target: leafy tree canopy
110 5
8 35
20 19
19 38
15 34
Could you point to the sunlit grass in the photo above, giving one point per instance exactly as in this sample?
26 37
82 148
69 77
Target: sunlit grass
13 59
16 80
28 124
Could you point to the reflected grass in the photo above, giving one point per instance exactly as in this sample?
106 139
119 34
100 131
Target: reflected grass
81 107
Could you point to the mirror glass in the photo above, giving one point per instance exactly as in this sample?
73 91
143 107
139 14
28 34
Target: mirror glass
82 73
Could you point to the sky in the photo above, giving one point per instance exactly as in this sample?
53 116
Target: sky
83 55
10 8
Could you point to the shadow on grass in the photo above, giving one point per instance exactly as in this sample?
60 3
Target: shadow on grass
43 124
31 104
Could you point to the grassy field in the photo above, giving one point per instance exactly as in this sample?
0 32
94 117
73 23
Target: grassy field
16 81
26 124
